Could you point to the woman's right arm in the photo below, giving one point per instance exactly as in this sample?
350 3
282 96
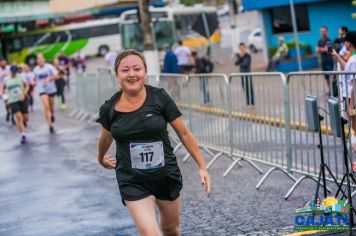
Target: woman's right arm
104 144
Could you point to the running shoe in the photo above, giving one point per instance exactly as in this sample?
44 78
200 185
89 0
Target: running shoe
23 139
63 106
51 129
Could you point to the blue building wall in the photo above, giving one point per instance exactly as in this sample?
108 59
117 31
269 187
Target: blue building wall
332 14
261 4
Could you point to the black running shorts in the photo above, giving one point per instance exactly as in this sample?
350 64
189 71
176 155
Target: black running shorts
168 188
19 107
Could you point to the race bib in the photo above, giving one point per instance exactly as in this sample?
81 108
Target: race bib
146 156
15 92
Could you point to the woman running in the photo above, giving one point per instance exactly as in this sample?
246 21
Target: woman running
17 89
61 82
30 79
45 75
136 117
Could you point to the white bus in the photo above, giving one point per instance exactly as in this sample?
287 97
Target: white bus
94 37
170 24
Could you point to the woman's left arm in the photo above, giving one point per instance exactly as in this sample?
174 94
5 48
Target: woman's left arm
188 140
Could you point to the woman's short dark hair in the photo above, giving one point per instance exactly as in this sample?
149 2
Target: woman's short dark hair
126 53
242 44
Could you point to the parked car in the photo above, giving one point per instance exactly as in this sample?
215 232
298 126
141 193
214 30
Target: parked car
255 40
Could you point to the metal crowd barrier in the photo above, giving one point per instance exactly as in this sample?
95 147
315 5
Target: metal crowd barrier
259 114
305 154
252 117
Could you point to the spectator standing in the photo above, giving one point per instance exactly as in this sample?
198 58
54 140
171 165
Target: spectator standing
243 59
339 42
183 54
327 62
203 65
348 80
170 63
281 53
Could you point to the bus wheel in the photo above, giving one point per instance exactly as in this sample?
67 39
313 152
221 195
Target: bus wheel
103 50
31 60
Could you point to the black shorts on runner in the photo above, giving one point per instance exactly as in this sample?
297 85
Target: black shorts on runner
49 94
19 107
168 188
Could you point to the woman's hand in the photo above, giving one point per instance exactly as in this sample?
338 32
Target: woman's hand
108 162
205 180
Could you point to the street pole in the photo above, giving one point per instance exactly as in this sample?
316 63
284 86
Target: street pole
145 25
295 32
150 52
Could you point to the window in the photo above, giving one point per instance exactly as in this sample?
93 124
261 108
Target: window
131 35
30 41
163 33
15 45
282 22
95 31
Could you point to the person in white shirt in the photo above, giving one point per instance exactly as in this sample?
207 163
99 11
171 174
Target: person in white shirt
110 58
348 88
5 71
183 54
45 75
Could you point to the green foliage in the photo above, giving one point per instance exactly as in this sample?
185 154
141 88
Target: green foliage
191 2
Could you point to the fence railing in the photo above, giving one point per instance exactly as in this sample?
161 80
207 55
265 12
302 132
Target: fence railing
251 117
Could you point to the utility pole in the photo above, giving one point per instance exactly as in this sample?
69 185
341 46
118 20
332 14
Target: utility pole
145 25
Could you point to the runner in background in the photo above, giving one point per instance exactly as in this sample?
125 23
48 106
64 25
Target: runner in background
30 79
5 71
17 89
64 61
60 82
45 75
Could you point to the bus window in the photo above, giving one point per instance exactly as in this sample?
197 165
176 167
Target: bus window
30 40
184 23
163 33
79 33
45 39
103 30
131 35
15 45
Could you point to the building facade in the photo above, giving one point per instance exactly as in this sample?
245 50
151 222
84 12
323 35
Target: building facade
275 18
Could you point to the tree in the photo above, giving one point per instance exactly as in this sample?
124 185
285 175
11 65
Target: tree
354 14
145 24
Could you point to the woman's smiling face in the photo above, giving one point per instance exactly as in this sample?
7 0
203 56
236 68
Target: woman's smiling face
131 74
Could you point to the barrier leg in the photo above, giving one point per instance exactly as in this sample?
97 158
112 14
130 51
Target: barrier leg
234 163
295 185
186 157
72 113
352 194
177 147
265 176
211 162
253 165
